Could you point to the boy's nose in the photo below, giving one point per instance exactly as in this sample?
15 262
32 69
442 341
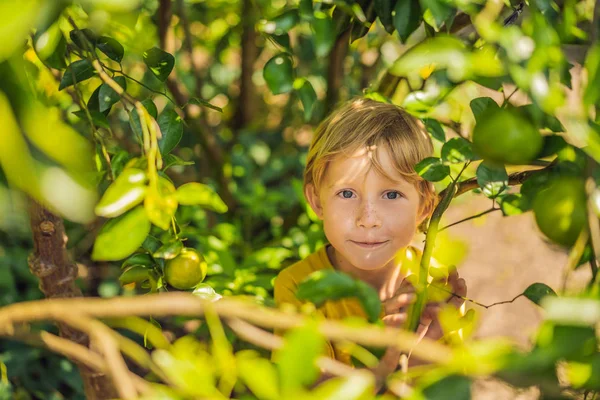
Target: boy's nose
367 217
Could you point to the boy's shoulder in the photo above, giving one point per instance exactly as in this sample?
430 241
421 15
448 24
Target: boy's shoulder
297 272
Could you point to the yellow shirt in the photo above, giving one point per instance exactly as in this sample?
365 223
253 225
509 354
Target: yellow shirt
288 280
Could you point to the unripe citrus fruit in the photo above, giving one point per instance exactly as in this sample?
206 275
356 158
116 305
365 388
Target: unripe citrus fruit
505 136
186 270
560 210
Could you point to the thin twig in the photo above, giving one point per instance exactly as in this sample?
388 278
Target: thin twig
473 301
470 218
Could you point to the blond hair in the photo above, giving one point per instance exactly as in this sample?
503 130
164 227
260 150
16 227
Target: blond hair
363 123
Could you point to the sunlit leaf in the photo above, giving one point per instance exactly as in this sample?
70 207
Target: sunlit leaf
296 359
480 104
121 236
159 62
324 285
432 169
258 374
458 150
194 193
513 204
492 178
169 250
161 203
16 19
126 192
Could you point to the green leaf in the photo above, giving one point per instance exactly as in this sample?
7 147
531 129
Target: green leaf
283 40
204 103
171 128
369 300
126 192
194 193
88 34
446 52
169 250
285 21
307 96
458 150
258 374
296 359
458 385
480 104
305 9
81 70
98 118
552 145
160 203
492 179
407 18
170 160
435 129
324 285
206 292
151 244
136 273
384 9
432 169
440 11
50 46
513 204
324 32
107 96
112 48
592 65
139 259
122 236
536 291
160 62
279 74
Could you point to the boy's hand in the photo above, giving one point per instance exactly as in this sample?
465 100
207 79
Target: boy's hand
430 324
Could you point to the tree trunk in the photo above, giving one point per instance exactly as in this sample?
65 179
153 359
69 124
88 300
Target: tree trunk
50 263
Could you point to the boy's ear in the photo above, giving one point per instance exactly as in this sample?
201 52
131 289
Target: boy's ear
313 199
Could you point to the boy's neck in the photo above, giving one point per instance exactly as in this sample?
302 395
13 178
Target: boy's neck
385 280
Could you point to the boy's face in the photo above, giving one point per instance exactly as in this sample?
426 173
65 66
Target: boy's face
367 217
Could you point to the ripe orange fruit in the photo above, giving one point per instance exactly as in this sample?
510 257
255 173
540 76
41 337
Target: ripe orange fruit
505 136
186 270
560 209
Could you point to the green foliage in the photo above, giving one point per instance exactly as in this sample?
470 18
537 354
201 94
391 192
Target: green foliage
228 183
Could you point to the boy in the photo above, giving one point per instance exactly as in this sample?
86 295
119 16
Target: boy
359 179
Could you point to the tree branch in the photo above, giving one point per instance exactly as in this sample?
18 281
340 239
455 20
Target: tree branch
186 304
335 69
246 103
56 272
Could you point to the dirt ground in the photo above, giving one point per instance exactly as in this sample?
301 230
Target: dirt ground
505 255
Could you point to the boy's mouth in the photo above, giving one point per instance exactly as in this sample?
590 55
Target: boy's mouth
369 245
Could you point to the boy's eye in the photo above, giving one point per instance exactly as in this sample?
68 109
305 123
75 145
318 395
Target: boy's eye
347 194
393 195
